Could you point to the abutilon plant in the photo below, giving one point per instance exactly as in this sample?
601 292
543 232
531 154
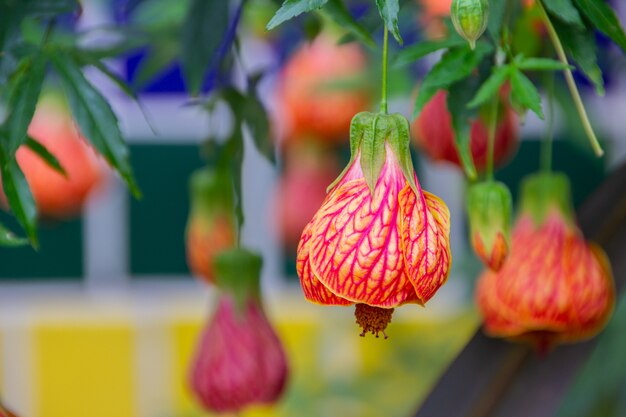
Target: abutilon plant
555 287
378 240
211 226
239 360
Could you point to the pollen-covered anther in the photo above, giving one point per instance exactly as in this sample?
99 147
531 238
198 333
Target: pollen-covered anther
373 320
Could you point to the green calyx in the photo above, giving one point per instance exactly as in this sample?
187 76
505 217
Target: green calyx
238 272
369 133
470 18
211 192
546 191
489 207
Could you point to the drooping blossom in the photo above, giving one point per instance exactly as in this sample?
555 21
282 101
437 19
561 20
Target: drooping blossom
555 287
239 360
433 133
211 224
378 241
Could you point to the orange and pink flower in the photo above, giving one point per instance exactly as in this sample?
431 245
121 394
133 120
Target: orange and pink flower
378 240
554 287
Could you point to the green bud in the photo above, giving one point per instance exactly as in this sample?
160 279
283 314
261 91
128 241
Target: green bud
238 272
489 207
470 18
543 192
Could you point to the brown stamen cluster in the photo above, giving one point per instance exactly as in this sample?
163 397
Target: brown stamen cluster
372 320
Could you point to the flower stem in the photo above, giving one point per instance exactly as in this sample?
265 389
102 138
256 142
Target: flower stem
493 123
571 84
383 99
546 146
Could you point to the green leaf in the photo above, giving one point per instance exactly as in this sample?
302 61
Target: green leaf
202 34
491 87
41 7
564 10
155 62
337 10
25 92
461 114
604 19
580 45
7 238
456 64
541 64
389 10
256 119
293 8
419 50
94 117
496 16
40 150
525 93
85 59
19 195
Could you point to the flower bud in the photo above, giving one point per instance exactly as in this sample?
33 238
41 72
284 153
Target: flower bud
489 207
211 226
470 18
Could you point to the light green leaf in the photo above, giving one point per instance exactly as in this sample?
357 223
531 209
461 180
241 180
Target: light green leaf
389 10
456 64
202 34
419 50
525 93
94 117
293 8
491 87
541 64
604 19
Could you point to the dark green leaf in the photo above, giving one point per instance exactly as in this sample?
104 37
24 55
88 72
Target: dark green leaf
564 10
45 7
293 8
94 117
420 49
45 155
154 63
19 195
341 15
25 90
255 117
491 87
581 47
541 64
202 34
7 238
389 10
458 96
604 19
84 59
456 64
525 93
496 16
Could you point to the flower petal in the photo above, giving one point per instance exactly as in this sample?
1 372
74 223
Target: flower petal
425 233
355 244
312 288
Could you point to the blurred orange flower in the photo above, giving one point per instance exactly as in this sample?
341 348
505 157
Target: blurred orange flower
554 287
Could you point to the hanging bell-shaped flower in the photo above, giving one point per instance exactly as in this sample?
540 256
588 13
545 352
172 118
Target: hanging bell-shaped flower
470 18
239 360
